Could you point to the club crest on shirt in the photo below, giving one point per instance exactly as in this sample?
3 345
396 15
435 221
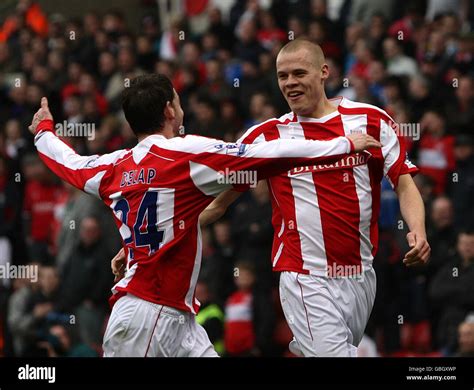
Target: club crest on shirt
352 160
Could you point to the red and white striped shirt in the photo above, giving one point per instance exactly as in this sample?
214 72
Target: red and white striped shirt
157 191
325 215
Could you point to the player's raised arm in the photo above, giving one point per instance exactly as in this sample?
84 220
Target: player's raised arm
273 157
214 164
83 172
277 156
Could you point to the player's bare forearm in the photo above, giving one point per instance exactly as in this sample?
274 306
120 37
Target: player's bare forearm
413 212
218 207
411 204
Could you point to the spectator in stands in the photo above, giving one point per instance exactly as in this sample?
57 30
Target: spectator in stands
441 233
42 192
296 27
335 82
37 307
210 47
317 33
363 55
215 84
257 105
461 183
376 77
421 98
362 10
460 115
87 281
248 47
10 213
319 12
269 32
210 316
87 88
145 54
206 121
452 291
438 7
31 14
436 150
231 119
405 27
15 143
17 105
20 322
107 66
218 265
77 206
127 69
398 63
220 29
191 60
393 93
252 225
250 83
466 337
58 341
248 316
7 65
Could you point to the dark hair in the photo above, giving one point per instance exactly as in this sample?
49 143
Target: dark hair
246 265
467 230
144 102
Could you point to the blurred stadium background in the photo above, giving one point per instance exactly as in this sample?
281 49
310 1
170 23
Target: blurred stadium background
414 59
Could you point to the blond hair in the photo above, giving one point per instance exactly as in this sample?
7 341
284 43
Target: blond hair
314 49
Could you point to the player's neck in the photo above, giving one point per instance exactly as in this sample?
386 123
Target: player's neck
324 107
166 131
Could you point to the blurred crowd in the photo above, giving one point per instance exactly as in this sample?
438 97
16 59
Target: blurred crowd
413 59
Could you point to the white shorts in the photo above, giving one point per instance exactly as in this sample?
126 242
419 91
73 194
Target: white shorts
327 316
138 328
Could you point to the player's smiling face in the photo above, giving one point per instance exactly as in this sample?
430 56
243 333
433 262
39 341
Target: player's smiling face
301 80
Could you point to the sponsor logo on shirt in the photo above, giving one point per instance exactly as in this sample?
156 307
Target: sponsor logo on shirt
350 161
234 148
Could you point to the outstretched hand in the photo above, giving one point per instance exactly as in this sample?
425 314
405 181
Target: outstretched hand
42 114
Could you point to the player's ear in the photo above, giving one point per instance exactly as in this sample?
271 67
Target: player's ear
324 71
170 113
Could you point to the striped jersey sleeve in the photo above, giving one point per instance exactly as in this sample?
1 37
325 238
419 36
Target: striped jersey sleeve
396 161
83 172
211 160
